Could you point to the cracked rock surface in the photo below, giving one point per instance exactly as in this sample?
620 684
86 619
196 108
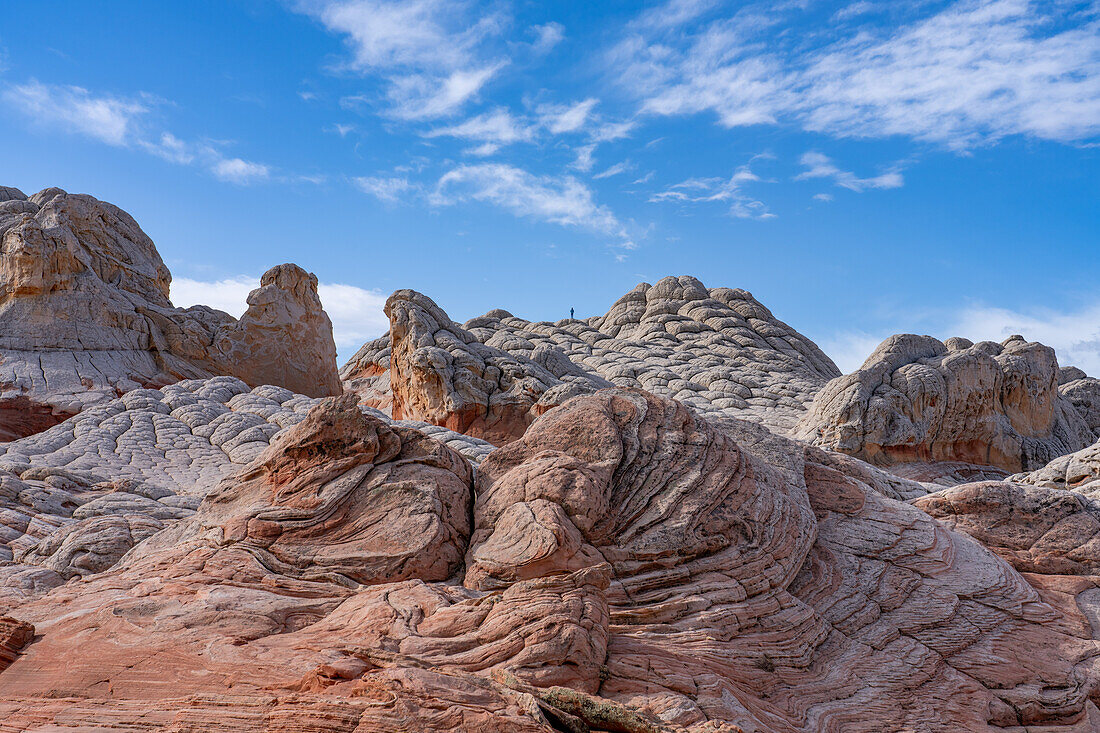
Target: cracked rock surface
85 317
75 498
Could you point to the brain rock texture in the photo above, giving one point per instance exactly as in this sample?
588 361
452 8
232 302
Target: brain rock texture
85 316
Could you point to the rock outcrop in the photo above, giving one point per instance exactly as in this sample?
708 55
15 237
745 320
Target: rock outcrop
441 374
629 566
85 316
916 399
717 350
1083 392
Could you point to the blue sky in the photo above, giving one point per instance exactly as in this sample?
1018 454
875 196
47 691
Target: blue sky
863 168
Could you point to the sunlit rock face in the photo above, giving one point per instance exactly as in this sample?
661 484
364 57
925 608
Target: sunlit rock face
85 317
916 399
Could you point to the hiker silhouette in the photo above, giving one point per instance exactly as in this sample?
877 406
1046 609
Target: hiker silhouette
570 314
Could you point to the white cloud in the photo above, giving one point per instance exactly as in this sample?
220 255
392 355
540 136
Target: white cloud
356 313
819 165
422 97
1074 334
613 170
225 295
562 200
584 160
547 36
170 148
708 190
430 51
967 74
236 170
497 127
850 349
674 13
385 189
109 119
851 11
560 119
118 121
823 197
610 131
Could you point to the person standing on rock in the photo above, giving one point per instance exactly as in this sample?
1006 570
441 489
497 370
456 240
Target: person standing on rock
570 314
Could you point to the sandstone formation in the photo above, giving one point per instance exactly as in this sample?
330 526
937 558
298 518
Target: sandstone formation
440 373
75 498
1083 392
717 350
367 374
85 316
916 399
625 565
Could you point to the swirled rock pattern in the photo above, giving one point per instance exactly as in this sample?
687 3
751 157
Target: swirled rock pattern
75 498
85 316
916 399
718 350
628 566
1036 528
367 374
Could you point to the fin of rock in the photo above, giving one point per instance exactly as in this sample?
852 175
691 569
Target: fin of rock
85 317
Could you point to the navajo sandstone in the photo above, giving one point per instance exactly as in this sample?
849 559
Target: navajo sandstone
677 516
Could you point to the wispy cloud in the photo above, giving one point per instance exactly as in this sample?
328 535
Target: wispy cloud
709 190
819 165
558 199
122 122
210 156
109 119
495 128
236 170
390 190
613 170
560 119
356 313
431 52
964 75
547 36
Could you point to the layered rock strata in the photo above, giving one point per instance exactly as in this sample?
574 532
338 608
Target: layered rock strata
441 374
626 565
75 498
